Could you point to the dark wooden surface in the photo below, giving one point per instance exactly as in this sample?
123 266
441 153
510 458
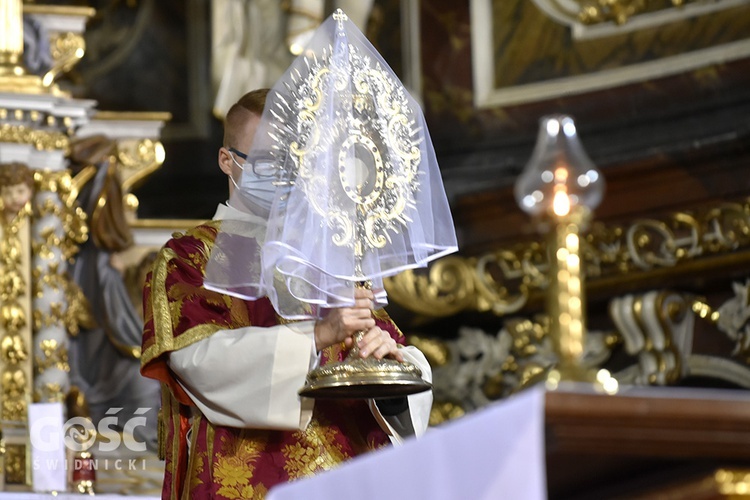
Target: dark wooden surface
643 441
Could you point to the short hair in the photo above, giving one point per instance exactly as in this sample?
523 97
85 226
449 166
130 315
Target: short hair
16 173
252 102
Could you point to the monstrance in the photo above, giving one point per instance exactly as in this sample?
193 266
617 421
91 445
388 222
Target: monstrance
359 195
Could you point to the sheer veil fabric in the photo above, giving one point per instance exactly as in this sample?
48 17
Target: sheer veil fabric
358 191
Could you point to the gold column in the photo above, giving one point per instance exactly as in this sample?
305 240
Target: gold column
59 305
15 325
11 39
13 76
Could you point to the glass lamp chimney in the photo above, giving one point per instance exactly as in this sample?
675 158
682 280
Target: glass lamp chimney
559 176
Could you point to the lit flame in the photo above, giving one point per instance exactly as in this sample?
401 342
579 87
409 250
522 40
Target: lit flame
561 200
561 203
561 175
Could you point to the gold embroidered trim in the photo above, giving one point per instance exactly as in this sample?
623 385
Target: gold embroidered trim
192 473
164 340
196 333
210 437
161 424
174 413
160 308
206 237
193 441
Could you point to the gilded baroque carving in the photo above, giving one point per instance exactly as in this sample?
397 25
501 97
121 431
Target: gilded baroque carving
137 159
41 139
16 187
59 305
499 282
15 464
15 394
55 355
16 190
13 349
49 392
502 281
66 50
477 367
619 11
654 328
732 482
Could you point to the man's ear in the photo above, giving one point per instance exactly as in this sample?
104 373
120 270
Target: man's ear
225 161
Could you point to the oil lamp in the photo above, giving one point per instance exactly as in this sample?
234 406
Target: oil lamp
560 185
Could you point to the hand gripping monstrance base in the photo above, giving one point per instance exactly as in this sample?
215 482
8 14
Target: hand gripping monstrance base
358 378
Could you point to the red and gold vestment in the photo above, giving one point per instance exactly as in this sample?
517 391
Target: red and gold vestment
225 462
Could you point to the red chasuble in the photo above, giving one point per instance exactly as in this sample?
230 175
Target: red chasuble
224 462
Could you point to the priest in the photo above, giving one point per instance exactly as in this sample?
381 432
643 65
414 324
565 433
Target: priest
233 424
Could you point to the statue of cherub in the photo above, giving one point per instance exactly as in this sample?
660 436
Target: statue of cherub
734 319
16 189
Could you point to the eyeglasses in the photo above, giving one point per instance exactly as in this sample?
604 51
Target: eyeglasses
262 167
238 153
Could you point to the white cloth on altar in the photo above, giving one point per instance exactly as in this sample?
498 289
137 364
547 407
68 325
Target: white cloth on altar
497 452
249 377
47 447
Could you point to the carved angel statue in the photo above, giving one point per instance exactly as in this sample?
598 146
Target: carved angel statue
16 189
733 318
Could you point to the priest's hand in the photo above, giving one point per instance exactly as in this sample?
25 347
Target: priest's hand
378 343
340 324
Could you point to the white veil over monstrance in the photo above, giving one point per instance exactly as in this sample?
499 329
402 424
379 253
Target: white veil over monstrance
359 194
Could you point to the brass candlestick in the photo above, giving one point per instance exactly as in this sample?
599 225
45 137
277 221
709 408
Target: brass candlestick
566 302
561 185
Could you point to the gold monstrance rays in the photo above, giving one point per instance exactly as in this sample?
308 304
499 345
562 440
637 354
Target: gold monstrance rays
375 186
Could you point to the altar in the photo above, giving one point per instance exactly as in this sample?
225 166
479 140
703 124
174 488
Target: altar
572 442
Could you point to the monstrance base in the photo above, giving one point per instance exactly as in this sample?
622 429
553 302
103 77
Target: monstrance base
368 378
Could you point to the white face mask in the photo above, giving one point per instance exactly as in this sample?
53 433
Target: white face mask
256 182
